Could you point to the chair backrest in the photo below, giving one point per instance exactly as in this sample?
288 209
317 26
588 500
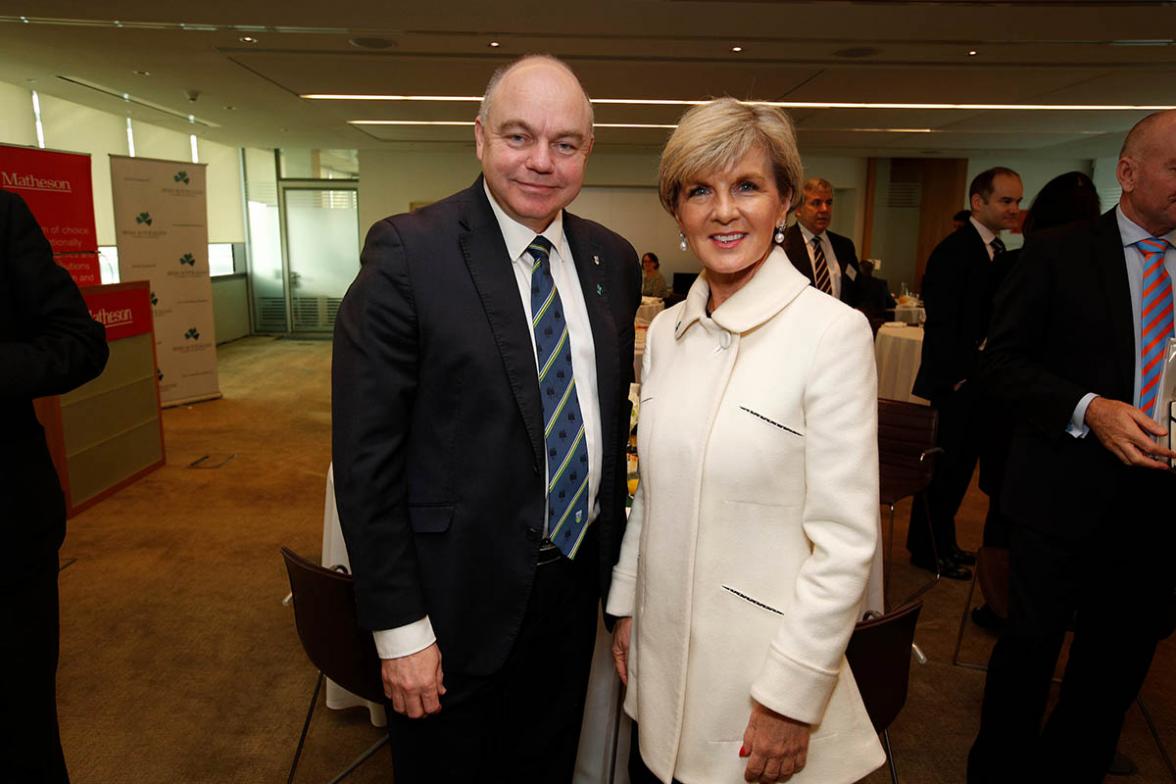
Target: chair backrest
879 655
906 431
325 616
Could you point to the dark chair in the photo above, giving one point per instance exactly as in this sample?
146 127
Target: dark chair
906 452
879 654
324 613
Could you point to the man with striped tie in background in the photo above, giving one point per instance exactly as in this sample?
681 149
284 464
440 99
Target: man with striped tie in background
828 260
482 364
1072 354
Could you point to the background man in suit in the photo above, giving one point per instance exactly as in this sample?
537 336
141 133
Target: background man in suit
828 260
1071 354
482 363
48 345
957 294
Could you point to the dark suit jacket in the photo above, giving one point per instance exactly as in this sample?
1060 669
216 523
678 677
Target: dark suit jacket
794 246
1062 327
438 426
48 345
957 294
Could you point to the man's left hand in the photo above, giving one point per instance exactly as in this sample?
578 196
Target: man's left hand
1126 432
777 746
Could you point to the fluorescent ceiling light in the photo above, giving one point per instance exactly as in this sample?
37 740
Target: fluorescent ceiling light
1023 107
468 123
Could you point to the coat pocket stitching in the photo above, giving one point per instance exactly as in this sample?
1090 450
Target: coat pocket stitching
747 598
770 421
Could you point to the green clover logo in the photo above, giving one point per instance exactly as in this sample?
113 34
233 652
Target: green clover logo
188 259
154 299
192 334
181 176
143 217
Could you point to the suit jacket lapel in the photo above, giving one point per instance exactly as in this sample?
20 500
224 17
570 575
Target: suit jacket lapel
1112 270
490 269
590 268
797 251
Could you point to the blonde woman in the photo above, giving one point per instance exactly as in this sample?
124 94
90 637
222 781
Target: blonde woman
747 556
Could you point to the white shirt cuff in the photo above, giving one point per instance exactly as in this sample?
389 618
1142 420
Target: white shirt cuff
404 640
1078 427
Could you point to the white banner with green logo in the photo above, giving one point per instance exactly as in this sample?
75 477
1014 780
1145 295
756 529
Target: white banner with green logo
161 218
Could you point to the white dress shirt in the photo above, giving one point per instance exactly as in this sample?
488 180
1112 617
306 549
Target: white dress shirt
830 258
416 636
986 234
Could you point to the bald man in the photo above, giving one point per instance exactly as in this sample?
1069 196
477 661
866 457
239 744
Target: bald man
482 363
1071 354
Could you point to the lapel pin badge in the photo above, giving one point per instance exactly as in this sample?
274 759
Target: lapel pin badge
596 260
600 289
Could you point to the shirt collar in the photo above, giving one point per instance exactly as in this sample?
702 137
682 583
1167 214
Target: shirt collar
517 236
808 235
1131 232
985 232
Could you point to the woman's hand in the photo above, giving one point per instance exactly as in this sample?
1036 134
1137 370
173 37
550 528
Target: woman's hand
776 745
620 647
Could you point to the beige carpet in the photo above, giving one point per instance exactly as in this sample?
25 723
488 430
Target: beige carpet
180 664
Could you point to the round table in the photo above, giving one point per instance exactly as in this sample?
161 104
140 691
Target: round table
898 350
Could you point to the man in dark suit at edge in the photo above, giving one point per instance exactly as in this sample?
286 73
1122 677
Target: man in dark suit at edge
48 346
482 362
1076 347
957 294
828 260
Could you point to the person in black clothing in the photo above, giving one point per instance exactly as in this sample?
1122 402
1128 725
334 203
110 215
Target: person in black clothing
957 294
48 346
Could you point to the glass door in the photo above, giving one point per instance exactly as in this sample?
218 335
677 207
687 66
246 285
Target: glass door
320 234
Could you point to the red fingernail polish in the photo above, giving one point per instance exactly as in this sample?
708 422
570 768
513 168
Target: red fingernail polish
743 752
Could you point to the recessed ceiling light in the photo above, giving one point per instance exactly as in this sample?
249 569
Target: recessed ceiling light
971 53
230 108
247 39
495 44
143 73
736 48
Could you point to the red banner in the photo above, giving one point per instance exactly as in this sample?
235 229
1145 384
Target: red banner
82 267
58 189
123 308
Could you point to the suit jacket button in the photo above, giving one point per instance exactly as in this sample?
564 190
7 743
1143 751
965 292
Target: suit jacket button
532 534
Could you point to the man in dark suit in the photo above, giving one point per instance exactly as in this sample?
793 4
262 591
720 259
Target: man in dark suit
828 260
48 345
957 294
1071 355
482 364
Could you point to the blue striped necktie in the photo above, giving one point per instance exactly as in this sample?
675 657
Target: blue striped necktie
563 428
1155 320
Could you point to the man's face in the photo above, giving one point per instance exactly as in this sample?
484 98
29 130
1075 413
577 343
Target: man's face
1148 178
816 211
1003 207
535 142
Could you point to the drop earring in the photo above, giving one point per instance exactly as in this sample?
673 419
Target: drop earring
779 234
682 241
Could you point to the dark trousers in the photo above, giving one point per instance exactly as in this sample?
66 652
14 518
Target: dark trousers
30 745
960 436
1115 586
523 722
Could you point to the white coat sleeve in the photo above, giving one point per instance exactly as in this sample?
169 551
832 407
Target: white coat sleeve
840 522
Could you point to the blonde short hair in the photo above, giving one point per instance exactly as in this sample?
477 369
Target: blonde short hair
716 135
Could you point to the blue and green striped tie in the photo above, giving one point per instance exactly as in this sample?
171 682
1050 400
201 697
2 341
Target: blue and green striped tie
567 451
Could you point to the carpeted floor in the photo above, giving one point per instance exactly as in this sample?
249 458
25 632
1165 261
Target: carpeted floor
180 664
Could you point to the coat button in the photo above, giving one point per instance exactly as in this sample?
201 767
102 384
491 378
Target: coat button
533 534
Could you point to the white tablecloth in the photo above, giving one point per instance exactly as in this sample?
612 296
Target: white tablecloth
604 736
898 351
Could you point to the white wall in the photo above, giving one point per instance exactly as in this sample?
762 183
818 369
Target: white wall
75 128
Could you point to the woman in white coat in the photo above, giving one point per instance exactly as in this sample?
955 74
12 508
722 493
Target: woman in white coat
751 540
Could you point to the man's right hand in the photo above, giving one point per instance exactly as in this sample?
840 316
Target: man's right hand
415 682
1124 430
620 647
